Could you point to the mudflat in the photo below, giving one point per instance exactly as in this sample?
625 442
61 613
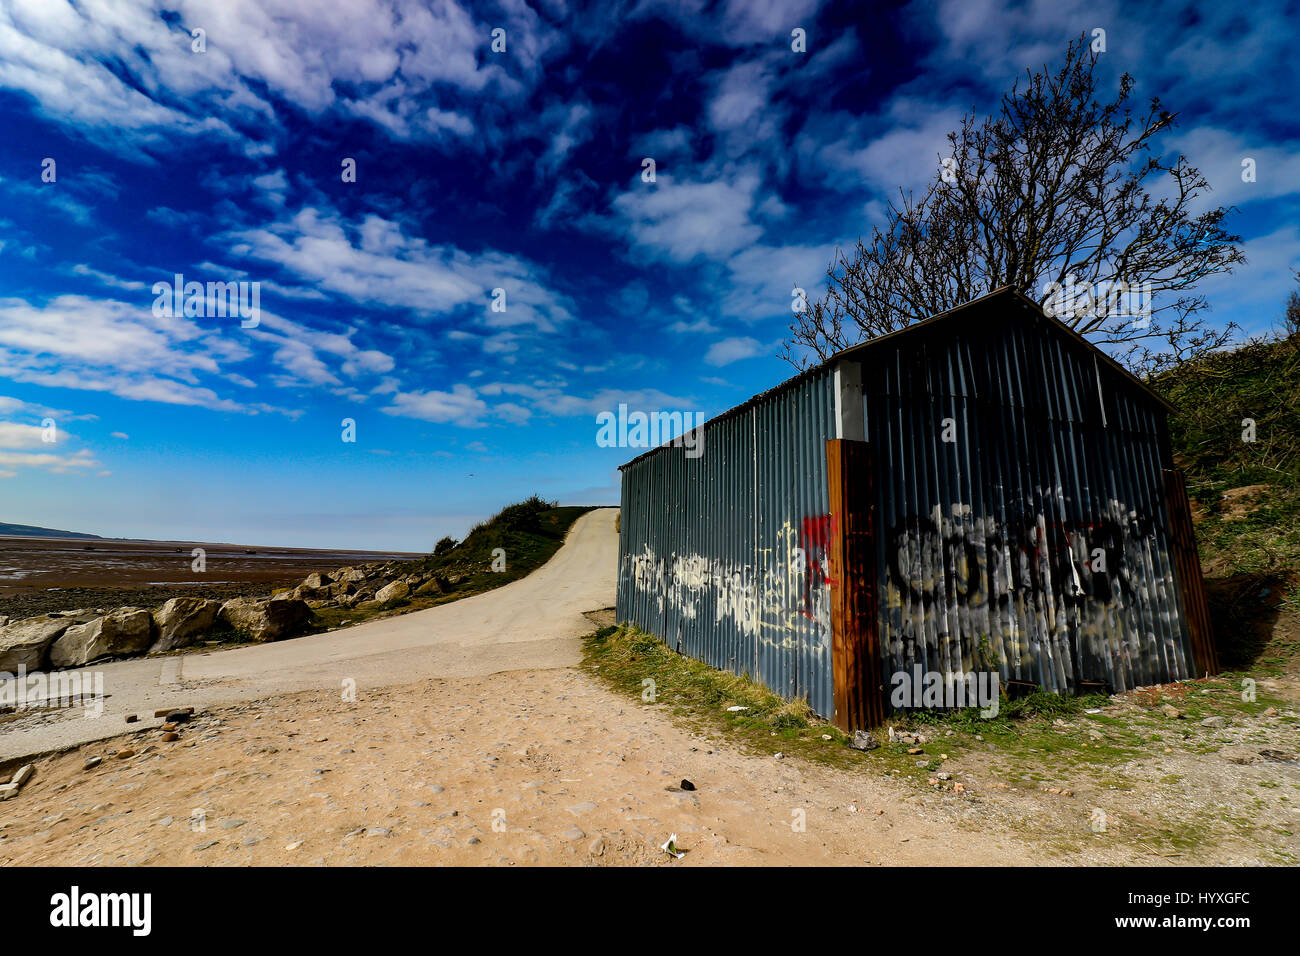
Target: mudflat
38 575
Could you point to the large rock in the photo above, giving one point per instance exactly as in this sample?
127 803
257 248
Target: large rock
267 620
24 643
392 592
127 630
182 621
304 592
318 580
429 587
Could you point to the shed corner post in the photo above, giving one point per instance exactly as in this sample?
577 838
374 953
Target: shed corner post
855 650
1191 580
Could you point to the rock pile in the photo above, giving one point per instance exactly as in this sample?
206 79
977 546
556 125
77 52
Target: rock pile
76 638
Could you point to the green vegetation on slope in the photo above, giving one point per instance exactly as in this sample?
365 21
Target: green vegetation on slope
527 533
1246 494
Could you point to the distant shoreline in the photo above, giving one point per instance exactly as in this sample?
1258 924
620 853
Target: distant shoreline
40 575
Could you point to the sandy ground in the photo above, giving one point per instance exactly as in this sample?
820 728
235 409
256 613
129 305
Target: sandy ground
518 768
540 767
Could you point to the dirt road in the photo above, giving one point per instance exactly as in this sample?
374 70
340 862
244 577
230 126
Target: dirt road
519 768
535 622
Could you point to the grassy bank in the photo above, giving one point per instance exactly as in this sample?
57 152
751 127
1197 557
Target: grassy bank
1245 493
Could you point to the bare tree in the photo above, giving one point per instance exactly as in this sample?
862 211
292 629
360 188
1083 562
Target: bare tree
1049 195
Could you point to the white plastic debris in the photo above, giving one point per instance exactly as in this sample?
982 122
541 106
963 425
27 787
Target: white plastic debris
671 848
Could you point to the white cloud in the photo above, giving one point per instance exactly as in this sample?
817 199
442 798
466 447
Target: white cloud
376 263
733 349
682 220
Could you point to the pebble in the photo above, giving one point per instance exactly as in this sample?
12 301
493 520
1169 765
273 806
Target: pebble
571 834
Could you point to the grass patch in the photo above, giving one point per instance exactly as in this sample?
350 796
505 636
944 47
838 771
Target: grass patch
625 658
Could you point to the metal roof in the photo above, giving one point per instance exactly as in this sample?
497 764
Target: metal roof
1010 293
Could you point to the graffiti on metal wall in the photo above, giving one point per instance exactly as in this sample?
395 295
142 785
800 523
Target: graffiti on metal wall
779 599
1027 593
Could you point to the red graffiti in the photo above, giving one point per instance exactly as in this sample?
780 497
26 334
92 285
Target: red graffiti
816 537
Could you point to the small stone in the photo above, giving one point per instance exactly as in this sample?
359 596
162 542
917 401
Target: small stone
1170 711
1214 722
293 846
473 841
206 846
124 754
1270 712
944 775
863 741
571 834
232 824
378 832
93 762
597 847
170 736
958 788
687 785
915 750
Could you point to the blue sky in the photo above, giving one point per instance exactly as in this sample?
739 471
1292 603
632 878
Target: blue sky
479 170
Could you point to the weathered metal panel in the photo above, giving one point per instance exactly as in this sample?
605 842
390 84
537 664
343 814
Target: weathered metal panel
1022 519
723 556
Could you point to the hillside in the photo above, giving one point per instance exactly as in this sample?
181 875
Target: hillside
31 531
1245 493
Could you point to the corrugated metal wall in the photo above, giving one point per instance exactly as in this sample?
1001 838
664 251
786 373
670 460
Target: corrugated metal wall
1035 541
723 556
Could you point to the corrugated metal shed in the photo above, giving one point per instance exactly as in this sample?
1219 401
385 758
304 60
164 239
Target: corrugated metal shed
709 555
1017 498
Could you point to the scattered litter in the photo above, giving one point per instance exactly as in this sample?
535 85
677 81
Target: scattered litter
671 848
